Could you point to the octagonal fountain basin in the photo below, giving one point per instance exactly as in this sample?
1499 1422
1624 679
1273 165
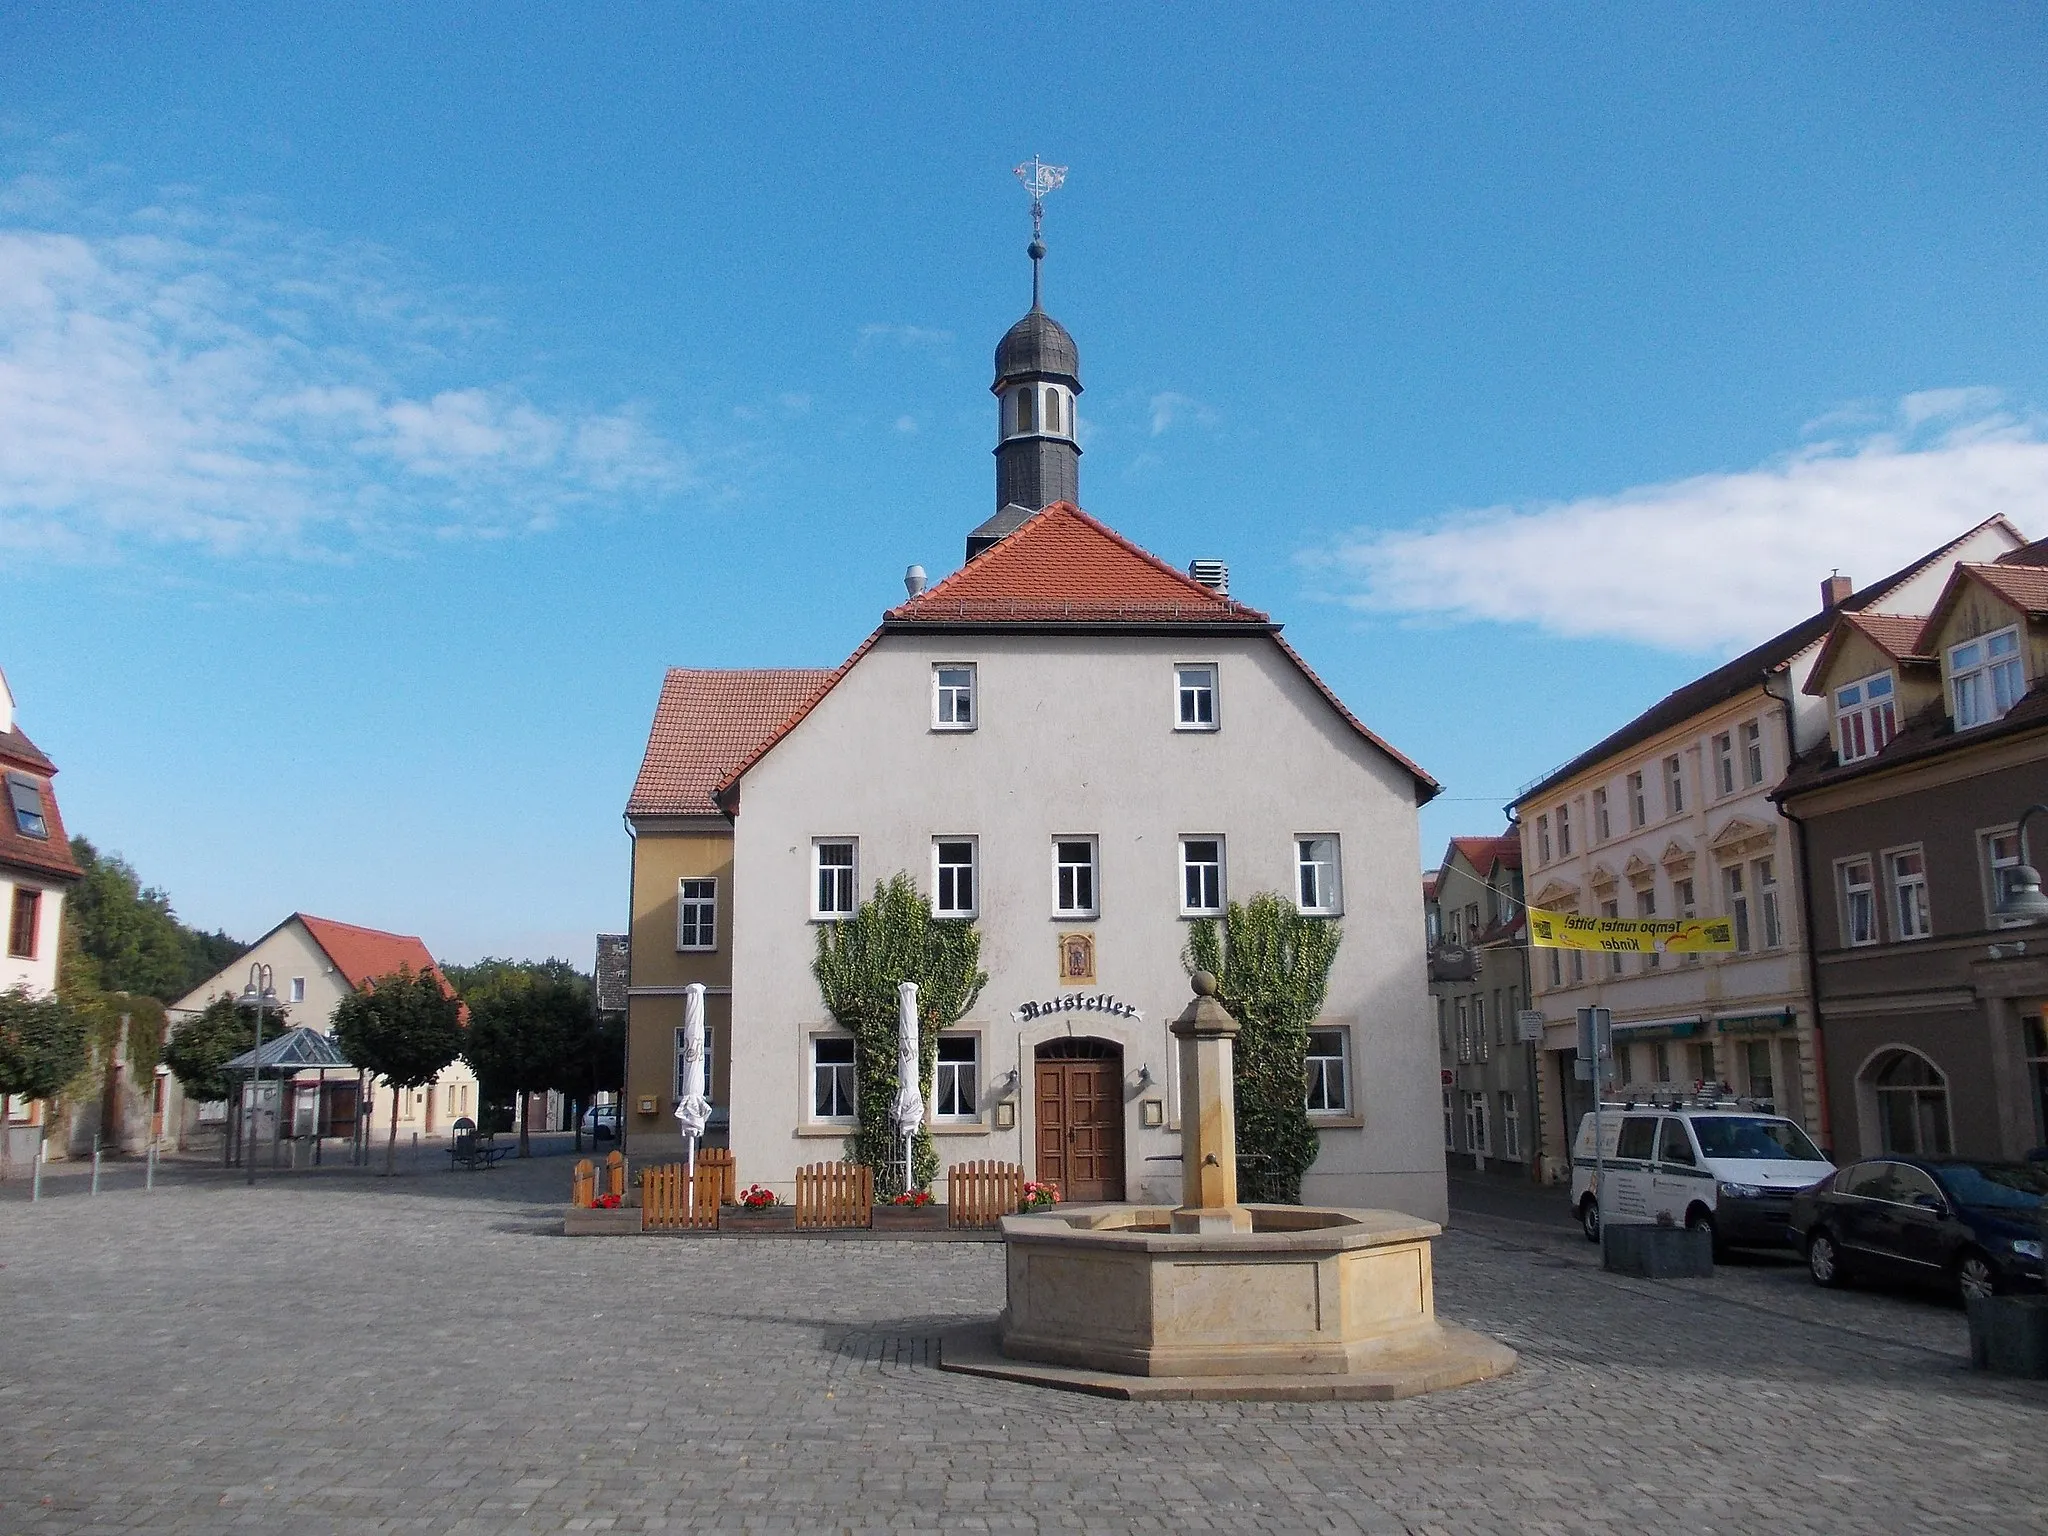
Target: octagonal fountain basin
1308 1291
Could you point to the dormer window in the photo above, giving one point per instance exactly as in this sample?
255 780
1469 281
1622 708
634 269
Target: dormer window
1865 719
25 800
1986 677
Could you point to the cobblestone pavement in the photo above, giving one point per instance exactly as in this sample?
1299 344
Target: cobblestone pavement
339 1353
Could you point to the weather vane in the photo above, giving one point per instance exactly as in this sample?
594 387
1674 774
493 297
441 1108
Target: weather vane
1039 179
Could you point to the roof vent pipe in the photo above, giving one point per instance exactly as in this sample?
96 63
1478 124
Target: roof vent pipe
1213 574
1835 591
913 580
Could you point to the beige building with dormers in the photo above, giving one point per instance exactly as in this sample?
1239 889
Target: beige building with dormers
1671 816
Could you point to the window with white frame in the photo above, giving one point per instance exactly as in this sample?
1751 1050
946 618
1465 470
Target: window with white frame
1500 1021
710 1078
1906 871
1578 966
1685 904
298 990
1482 1047
956 1085
1556 966
697 914
953 696
835 871
1770 916
1612 909
1737 891
1476 1139
1564 831
1646 907
1638 801
1464 1013
1510 1128
1865 717
1194 698
1317 881
1985 677
1724 763
1073 877
1329 1071
2001 851
1674 785
953 876
833 1078
1201 876
1859 901
1753 753
1603 828
1543 839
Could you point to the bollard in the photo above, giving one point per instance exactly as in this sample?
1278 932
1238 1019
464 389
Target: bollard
35 1188
149 1170
95 1163
415 1151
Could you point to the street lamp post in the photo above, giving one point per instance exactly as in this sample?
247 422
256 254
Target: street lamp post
263 995
2023 902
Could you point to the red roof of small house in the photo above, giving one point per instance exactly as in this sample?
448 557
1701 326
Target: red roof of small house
1062 566
2024 587
707 724
365 954
1482 852
49 855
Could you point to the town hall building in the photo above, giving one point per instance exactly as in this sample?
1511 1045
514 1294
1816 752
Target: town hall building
1082 749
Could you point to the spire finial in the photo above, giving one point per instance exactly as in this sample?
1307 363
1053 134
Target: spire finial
1039 179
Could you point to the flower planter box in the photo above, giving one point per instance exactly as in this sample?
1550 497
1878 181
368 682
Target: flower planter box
1657 1253
910 1218
2009 1335
770 1221
593 1221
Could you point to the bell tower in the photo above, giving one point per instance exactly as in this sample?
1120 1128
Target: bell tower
1037 384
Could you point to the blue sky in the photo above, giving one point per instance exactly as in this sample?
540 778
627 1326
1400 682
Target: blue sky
388 394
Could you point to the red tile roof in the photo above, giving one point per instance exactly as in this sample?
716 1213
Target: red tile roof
51 855
2035 553
1062 566
1896 634
1481 852
365 954
2025 587
708 725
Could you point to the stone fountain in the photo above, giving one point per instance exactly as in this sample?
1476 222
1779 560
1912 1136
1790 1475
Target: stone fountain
1217 1299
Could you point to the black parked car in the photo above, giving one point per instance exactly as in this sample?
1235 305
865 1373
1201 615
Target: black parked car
1974 1227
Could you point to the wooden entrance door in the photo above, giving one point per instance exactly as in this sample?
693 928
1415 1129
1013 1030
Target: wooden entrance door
1081 1124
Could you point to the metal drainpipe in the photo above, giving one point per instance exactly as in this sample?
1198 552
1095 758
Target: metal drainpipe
1823 1106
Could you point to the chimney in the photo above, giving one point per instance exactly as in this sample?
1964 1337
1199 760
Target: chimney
1835 591
1213 574
913 580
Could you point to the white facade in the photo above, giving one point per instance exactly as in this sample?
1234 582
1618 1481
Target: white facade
1074 737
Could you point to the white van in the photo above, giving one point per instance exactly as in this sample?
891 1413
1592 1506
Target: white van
1731 1171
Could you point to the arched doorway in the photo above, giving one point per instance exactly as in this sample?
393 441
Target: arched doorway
1079 1101
1912 1104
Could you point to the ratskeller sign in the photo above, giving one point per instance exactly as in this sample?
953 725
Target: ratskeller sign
1077 1002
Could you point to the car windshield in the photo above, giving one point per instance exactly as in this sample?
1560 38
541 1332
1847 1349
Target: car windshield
1755 1137
2015 1186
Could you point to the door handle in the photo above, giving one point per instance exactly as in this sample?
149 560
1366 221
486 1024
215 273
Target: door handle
1070 1135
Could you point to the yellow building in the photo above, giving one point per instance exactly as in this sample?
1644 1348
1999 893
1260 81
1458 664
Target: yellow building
706 725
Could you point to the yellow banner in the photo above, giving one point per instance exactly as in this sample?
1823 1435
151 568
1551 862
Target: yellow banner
1632 935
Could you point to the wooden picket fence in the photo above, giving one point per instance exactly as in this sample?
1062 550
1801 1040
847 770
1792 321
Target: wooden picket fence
980 1194
716 1164
835 1195
583 1185
669 1204
615 1175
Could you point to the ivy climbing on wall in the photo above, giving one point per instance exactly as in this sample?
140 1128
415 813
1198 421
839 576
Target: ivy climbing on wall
1272 967
894 938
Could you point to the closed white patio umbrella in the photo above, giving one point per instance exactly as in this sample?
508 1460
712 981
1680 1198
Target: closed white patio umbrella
908 1110
693 1108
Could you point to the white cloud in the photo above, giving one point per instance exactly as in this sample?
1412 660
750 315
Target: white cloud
906 425
169 375
911 338
1168 407
1715 562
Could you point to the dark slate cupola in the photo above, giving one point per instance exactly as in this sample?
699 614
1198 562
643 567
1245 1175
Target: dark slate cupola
1038 456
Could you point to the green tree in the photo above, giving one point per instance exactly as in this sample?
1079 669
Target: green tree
42 1044
404 1028
1272 967
894 938
199 1051
528 1025
129 938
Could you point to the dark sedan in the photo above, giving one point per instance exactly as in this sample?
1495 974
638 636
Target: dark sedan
1973 1227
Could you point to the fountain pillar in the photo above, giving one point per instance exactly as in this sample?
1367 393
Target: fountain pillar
1207 1037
